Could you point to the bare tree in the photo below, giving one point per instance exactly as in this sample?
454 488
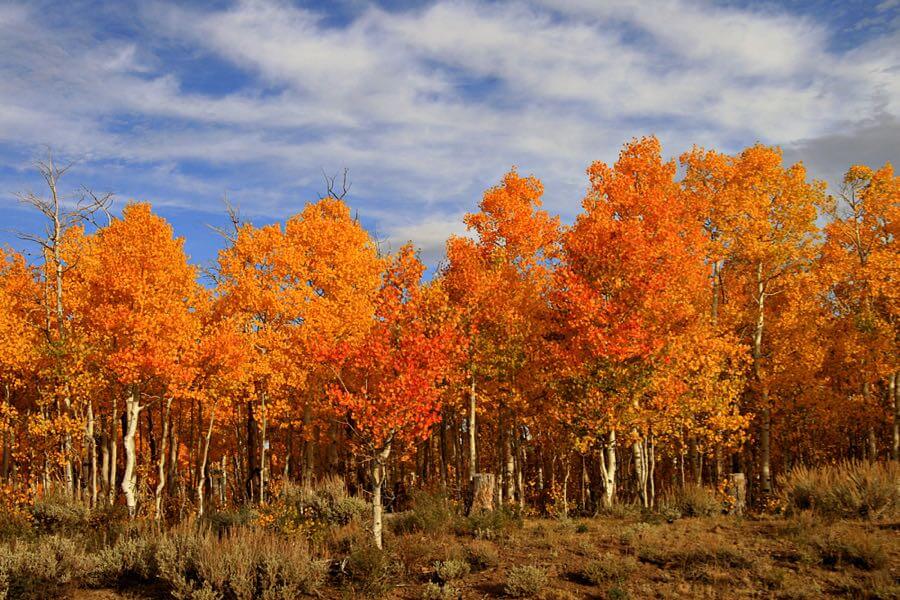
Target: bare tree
61 214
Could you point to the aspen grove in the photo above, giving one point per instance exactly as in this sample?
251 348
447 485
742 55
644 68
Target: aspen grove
713 315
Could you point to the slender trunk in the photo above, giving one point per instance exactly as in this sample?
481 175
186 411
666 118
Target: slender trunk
161 464
894 397
129 477
378 475
765 411
204 456
521 462
651 453
104 463
113 451
7 436
508 452
263 446
92 449
565 488
307 445
473 455
252 447
443 442
694 457
172 476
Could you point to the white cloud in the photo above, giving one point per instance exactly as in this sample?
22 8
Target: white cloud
427 106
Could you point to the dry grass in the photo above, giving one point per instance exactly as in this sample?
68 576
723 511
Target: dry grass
804 555
847 490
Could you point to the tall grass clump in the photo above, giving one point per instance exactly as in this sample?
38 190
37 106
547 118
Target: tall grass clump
243 565
849 490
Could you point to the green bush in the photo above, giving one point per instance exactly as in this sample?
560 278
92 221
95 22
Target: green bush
326 504
525 582
15 524
491 525
608 568
44 568
57 513
128 560
429 513
228 520
451 570
693 500
850 489
482 554
433 591
369 571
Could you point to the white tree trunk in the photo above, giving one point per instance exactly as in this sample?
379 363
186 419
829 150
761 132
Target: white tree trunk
641 470
161 464
765 411
92 449
201 470
113 452
129 477
378 465
608 470
473 456
894 397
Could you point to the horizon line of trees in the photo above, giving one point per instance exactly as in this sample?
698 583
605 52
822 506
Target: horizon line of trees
678 331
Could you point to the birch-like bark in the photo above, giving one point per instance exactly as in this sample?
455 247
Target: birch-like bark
129 477
765 411
378 465
201 470
608 469
473 455
161 463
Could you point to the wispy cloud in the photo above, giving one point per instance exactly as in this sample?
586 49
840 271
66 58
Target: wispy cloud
427 106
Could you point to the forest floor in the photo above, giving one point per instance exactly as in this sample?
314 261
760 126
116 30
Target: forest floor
627 557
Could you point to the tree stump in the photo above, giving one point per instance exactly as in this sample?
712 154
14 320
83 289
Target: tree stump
737 490
482 493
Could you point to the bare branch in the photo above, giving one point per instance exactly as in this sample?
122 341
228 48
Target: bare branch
331 191
234 216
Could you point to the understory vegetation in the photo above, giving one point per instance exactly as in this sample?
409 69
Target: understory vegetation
316 542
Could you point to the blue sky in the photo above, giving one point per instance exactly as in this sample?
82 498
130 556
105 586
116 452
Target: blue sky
427 104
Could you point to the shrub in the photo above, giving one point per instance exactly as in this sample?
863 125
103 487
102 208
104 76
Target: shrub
451 570
609 567
482 554
429 513
44 568
525 582
15 524
369 570
491 525
57 513
326 504
433 591
693 500
850 489
227 520
842 545
127 560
